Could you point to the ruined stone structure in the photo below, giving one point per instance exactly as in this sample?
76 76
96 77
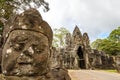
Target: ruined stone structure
27 49
27 53
78 50
117 63
77 54
102 60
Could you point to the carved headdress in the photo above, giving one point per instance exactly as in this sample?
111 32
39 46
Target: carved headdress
28 21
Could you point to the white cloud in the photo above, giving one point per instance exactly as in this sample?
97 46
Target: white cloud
95 17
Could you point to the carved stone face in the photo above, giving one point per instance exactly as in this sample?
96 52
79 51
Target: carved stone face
25 53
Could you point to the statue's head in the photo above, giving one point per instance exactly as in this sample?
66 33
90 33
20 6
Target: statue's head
26 49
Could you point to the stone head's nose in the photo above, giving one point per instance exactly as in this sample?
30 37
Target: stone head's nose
28 52
25 57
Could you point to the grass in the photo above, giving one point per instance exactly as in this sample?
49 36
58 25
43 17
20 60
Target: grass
113 71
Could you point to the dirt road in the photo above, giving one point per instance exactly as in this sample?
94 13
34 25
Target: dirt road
93 75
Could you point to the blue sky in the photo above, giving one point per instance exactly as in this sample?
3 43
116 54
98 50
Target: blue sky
96 17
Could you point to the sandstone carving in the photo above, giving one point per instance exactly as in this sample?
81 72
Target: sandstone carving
77 54
117 63
26 48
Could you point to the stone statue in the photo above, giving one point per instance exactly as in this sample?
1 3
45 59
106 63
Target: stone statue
86 40
0 52
77 36
60 74
68 40
26 49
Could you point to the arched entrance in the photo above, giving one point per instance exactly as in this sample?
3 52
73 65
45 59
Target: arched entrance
81 60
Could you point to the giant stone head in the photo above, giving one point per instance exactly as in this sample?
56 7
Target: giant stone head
26 48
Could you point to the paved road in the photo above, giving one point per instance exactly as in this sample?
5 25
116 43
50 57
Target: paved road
93 75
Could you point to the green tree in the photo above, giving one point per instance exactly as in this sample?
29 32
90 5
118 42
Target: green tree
110 45
115 35
10 7
59 36
96 43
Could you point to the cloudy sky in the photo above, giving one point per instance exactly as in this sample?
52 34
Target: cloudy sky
96 17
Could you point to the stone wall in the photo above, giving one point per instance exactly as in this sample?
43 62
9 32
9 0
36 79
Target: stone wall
77 53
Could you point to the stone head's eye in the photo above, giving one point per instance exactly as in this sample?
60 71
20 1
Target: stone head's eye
18 46
37 49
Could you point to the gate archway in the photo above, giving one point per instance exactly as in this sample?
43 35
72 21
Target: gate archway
81 60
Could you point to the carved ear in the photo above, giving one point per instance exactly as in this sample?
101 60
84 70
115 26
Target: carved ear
50 52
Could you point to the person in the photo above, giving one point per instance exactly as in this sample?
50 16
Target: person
26 50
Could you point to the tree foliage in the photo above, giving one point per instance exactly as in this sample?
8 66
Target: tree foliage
10 7
115 35
59 36
7 7
110 45
96 43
